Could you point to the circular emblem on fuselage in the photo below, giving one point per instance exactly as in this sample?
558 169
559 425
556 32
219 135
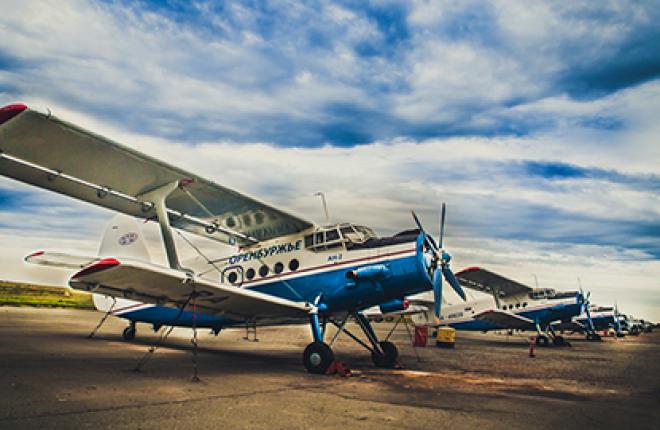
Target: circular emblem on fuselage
128 238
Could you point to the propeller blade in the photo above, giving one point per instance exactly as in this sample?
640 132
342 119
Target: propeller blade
442 225
429 241
451 280
419 224
437 291
586 310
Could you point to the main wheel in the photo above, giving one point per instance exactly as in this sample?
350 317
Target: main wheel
317 357
388 357
558 341
542 340
129 333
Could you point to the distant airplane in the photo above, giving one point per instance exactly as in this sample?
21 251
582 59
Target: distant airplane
287 270
512 306
594 318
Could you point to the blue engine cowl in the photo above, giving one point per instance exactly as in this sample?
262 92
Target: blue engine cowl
370 273
395 305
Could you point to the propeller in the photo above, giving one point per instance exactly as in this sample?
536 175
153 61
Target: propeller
586 302
617 323
440 262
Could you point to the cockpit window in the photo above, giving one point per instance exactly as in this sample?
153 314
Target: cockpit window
338 236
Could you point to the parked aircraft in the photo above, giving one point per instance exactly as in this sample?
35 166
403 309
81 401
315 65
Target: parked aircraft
511 306
595 318
287 269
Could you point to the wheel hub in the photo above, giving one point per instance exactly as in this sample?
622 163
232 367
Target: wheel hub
315 358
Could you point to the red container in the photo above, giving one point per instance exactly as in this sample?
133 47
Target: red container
421 336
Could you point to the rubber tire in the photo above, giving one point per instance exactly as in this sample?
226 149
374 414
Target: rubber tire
129 333
595 337
388 359
317 357
559 341
542 341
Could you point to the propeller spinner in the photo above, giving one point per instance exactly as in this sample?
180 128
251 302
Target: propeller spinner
440 263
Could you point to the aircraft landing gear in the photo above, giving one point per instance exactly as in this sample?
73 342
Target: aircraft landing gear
559 341
593 337
542 340
129 332
387 355
317 357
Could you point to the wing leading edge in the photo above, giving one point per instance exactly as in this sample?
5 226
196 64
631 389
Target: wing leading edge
45 151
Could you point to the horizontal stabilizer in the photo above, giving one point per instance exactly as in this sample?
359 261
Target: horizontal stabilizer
59 259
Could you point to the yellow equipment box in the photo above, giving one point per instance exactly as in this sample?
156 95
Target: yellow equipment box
446 337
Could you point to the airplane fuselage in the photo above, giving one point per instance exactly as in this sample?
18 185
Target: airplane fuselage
343 275
540 310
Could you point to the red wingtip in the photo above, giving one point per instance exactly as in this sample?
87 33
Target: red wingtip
34 254
106 263
468 269
10 111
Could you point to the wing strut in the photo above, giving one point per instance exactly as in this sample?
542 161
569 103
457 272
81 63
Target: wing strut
158 197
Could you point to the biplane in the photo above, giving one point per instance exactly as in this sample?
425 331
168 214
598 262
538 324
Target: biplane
286 270
515 306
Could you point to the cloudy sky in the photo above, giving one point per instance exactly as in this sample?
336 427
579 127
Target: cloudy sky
537 122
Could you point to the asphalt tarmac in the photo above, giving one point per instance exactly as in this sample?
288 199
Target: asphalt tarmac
52 376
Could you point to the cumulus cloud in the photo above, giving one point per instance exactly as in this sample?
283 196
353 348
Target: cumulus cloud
535 122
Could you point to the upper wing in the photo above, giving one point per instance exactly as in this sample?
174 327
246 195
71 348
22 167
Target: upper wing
50 153
59 259
505 319
150 283
489 282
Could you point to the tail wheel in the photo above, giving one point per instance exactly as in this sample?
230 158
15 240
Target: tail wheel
317 357
129 333
388 357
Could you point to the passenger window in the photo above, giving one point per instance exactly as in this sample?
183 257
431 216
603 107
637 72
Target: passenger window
524 304
331 235
263 271
294 264
309 240
278 268
250 273
232 277
318 238
517 305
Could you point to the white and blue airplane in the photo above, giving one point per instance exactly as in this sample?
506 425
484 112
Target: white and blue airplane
511 306
594 319
287 270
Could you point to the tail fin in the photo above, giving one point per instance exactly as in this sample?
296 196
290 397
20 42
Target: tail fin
124 238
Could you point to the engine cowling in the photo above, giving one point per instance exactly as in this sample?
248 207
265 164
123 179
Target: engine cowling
395 305
369 273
